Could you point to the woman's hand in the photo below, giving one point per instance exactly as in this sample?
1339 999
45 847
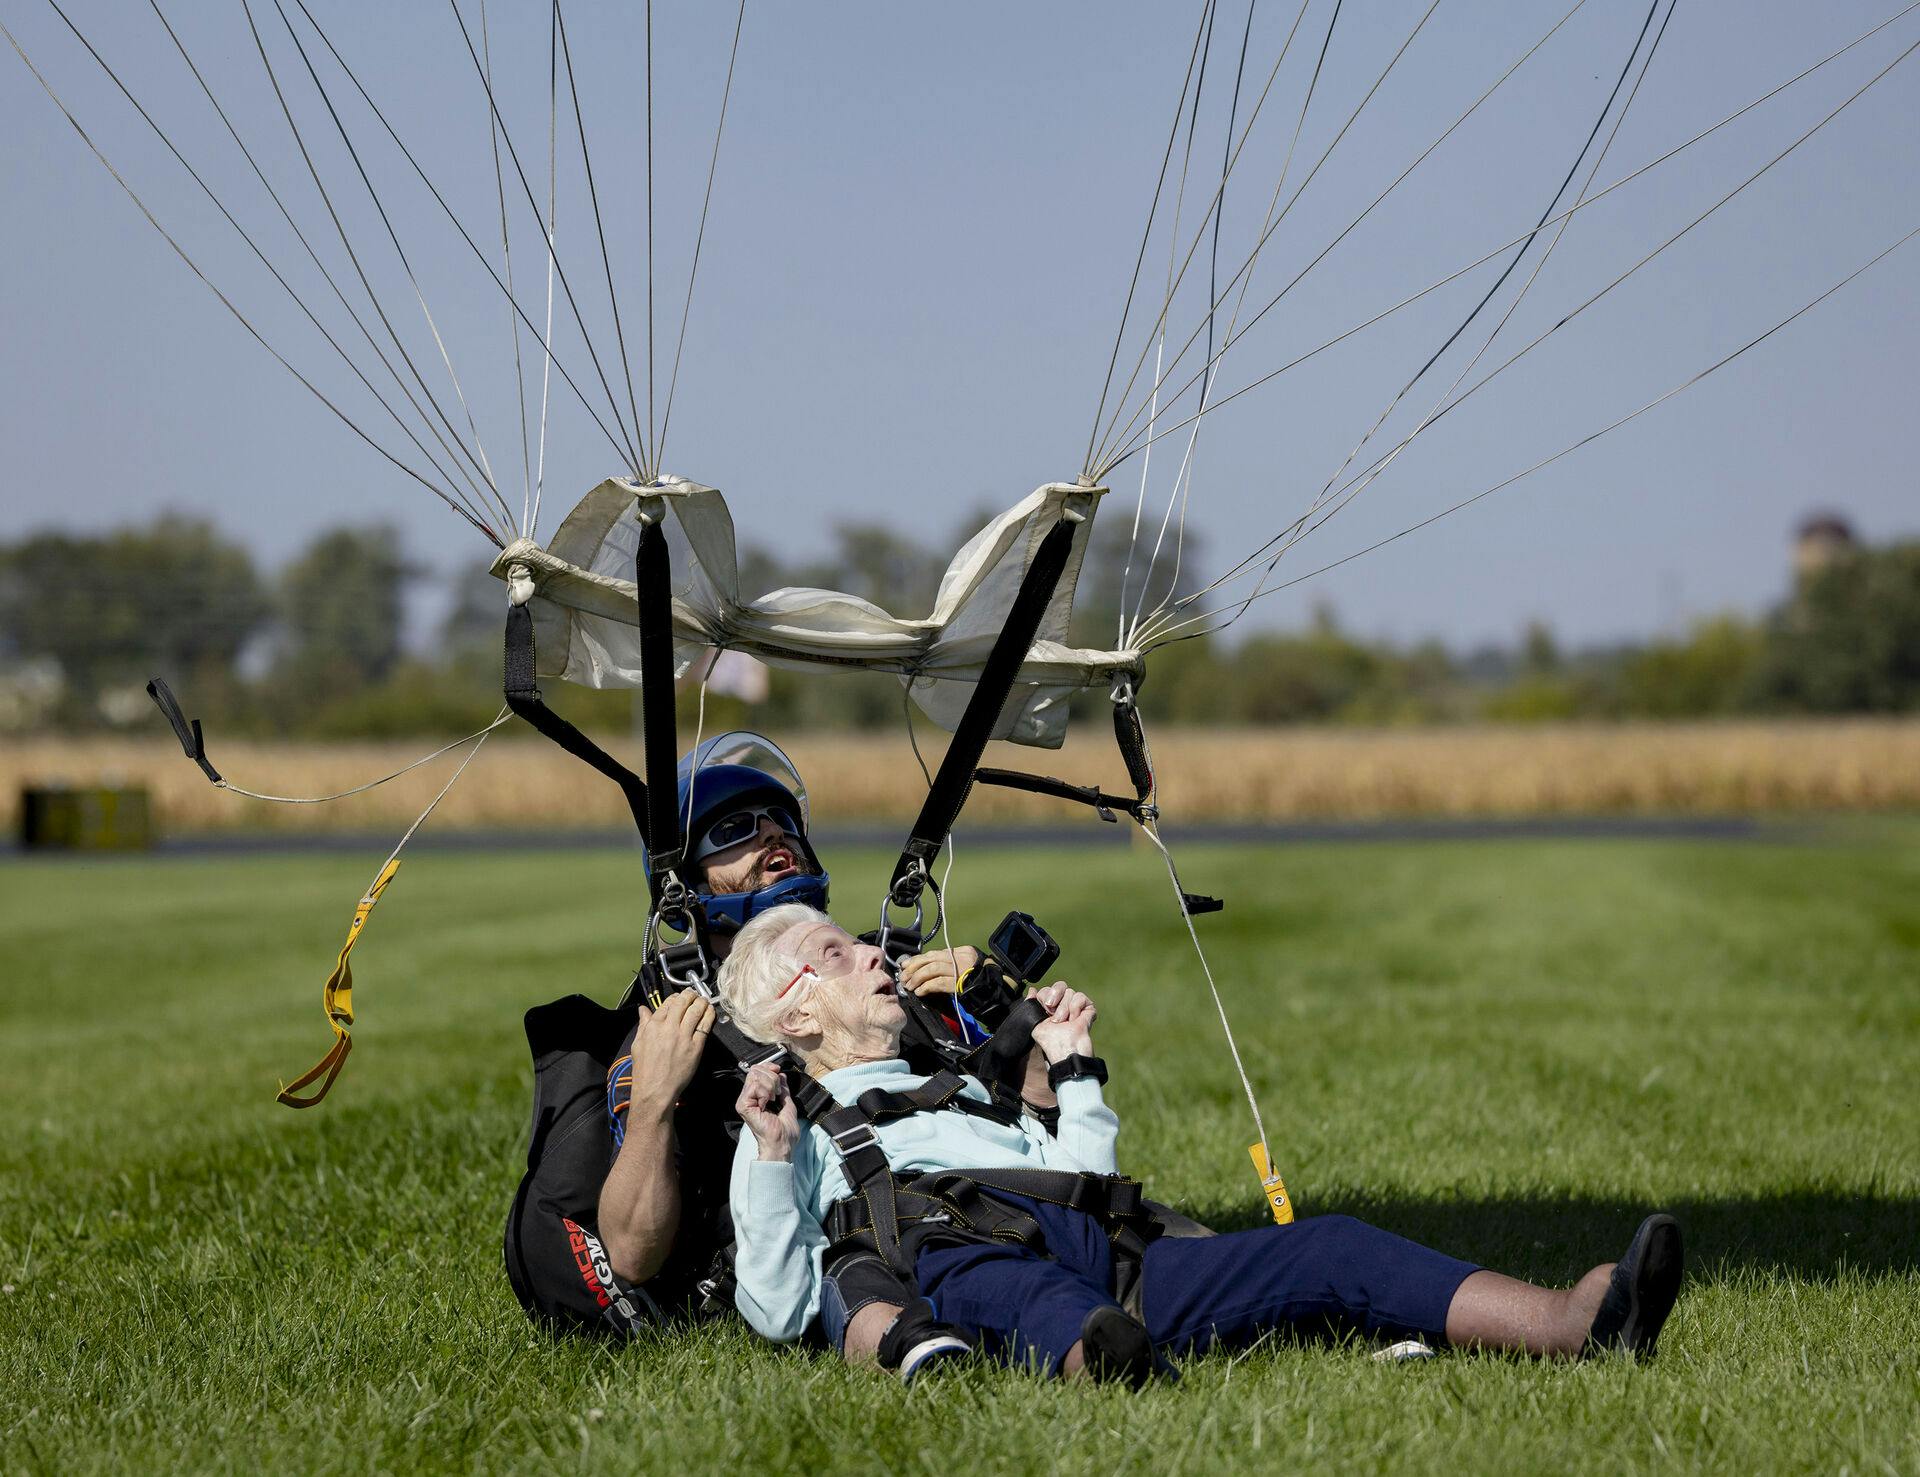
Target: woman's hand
939 972
766 1107
1068 1029
666 1049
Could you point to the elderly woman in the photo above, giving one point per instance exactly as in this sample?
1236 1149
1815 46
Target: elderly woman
797 979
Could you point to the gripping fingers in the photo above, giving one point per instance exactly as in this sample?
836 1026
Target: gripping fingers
673 1010
763 1091
1063 1005
925 972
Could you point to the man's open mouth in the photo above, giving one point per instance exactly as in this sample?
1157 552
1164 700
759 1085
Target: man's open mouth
778 862
885 987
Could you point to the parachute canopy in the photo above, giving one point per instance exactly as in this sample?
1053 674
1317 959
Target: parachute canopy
585 608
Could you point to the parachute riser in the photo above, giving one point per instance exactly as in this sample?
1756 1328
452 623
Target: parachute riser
673 905
947 794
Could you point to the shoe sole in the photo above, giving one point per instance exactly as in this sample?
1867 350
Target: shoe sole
931 1354
1116 1347
1656 1283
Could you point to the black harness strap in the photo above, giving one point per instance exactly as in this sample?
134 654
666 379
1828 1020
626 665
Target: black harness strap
1144 807
1001 1060
955 776
187 733
652 575
1107 1196
523 696
930 1031
1045 784
877 1210
962 1205
868 1173
942 1090
1132 739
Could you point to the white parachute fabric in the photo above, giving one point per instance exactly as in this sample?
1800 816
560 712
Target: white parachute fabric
586 612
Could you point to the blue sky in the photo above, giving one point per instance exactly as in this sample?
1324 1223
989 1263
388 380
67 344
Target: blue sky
922 229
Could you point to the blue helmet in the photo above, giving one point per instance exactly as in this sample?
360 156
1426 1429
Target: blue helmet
730 772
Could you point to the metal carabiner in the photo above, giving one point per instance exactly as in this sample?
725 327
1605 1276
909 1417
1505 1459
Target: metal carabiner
684 965
911 891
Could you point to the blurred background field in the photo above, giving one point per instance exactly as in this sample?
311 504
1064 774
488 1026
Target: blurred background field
1209 777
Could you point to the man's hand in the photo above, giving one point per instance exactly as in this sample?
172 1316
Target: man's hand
766 1107
1068 1029
666 1049
940 972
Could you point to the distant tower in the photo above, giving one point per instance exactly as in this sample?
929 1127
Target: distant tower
1823 540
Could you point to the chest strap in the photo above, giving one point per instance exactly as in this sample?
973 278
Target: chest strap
943 1090
960 1205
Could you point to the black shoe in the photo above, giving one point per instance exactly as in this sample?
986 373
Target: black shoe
916 1340
936 1351
1116 1347
1641 1294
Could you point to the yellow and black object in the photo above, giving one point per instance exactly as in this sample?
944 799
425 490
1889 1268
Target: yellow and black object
85 818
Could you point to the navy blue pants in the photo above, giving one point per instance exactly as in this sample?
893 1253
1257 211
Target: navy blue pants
1324 1274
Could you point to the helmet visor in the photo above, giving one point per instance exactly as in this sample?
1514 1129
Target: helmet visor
755 751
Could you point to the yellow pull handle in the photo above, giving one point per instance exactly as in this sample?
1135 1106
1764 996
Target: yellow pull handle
1271 1186
337 999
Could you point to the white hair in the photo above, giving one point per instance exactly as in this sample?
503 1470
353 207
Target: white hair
756 970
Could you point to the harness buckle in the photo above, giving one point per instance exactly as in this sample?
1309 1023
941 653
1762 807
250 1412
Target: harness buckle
851 1141
684 965
910 892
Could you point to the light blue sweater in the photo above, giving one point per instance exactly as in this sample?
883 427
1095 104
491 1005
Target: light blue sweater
779 1210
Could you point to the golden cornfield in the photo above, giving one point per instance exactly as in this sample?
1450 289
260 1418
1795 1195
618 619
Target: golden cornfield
1286 774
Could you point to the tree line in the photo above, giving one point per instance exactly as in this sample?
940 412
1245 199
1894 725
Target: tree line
317 647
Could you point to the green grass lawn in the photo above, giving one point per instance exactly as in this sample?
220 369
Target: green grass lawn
1510 1050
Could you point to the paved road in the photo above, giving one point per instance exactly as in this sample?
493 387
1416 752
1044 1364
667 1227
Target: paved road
1096 833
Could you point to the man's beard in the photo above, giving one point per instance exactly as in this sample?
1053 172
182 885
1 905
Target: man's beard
760 877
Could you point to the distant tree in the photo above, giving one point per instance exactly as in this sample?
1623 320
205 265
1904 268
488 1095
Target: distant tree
173 599
878 563
1535 698
1849 638
760 572
1120 574
341 611
1539 651
1710 673
476 620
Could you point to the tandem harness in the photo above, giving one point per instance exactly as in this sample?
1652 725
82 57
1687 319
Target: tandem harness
554 1260
895 1216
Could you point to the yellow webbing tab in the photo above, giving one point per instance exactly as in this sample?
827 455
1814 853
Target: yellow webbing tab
337 998
1271 1186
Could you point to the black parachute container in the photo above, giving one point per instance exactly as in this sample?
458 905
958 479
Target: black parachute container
555 1262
